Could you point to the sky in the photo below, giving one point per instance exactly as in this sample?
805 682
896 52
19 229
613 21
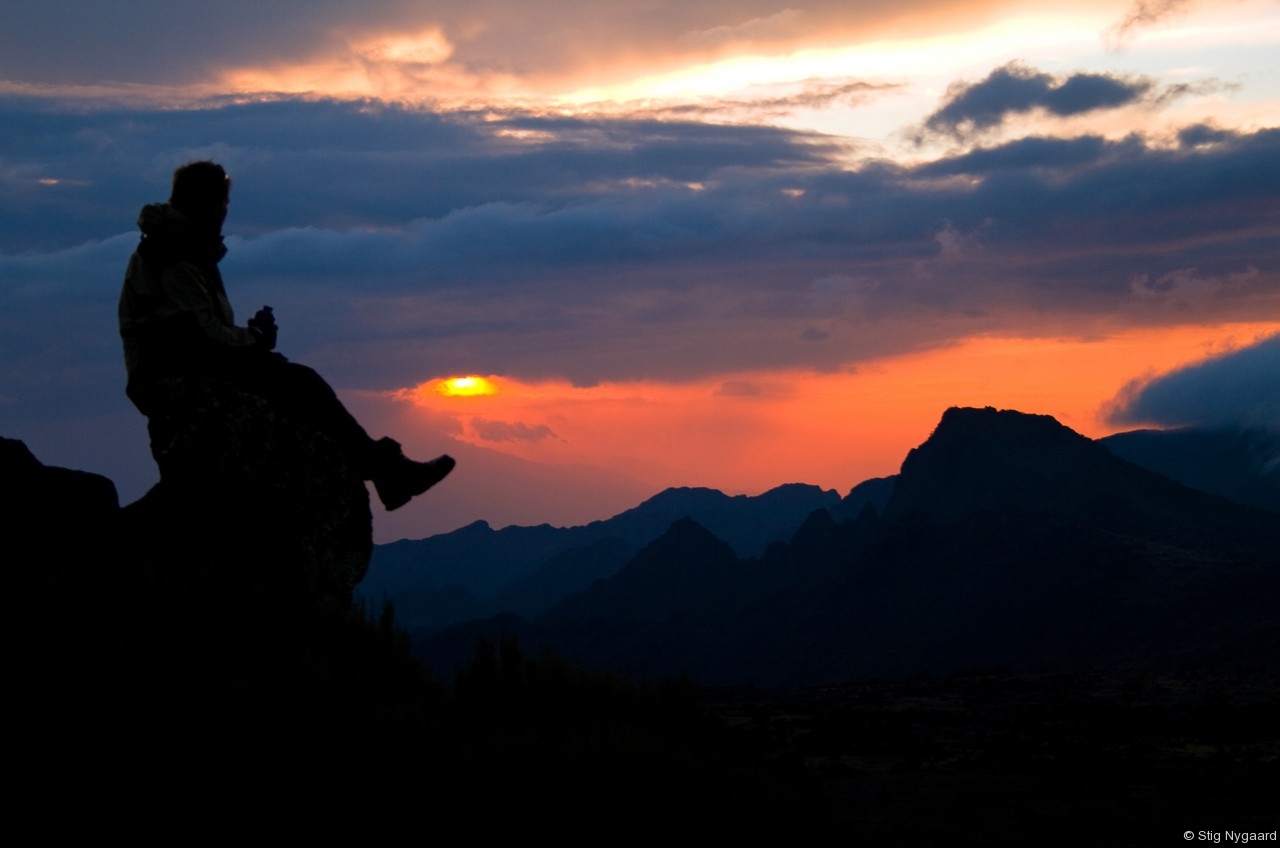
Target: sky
725 244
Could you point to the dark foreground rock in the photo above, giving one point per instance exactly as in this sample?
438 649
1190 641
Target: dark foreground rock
254 491
176 665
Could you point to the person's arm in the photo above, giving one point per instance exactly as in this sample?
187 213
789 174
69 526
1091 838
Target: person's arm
187 295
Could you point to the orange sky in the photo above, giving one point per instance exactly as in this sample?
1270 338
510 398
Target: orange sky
748 432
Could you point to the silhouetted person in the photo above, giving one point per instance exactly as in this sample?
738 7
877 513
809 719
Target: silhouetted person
176 321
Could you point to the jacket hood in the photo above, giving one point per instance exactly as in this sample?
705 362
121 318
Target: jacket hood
168 231
164 221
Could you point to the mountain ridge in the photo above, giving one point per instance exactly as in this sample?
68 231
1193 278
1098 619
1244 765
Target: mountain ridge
509 563
1009 541
476 570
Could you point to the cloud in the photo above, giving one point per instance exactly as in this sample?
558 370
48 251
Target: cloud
1141 15
763 102
1187 288
971 109
786 23
399 244
1199 135
1238 388
344 165
813 334
479 47
1210 85
510 431
738 388
1034 152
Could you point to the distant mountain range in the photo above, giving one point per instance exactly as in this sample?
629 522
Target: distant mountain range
477 570
1007 540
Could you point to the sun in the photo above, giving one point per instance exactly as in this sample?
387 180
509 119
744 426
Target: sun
469 386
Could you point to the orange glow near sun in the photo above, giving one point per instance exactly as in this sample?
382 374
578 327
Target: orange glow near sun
748 432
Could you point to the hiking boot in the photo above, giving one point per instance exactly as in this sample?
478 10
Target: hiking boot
404 479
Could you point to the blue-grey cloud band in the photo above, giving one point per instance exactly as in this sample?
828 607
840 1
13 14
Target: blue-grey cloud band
398 245
972 109
1237 388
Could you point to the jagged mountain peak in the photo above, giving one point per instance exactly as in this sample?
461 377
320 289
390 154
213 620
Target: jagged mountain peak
681 497
1001 431
682 533
978 459
987 461
684 569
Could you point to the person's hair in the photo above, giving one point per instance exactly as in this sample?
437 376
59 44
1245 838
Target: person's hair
199 190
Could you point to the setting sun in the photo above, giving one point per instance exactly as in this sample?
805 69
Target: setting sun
470 386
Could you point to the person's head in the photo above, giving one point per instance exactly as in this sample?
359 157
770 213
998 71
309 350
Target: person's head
201 192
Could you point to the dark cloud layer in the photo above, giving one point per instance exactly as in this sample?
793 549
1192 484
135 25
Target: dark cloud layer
1014 88
342 165
398 245
1241 387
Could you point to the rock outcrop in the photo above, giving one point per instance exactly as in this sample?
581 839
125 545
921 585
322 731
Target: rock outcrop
251 502
50 517
256 491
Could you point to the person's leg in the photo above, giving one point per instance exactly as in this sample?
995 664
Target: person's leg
302 394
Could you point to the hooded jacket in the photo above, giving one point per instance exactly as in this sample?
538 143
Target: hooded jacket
175 317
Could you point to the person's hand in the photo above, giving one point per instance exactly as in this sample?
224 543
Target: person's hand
263 327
